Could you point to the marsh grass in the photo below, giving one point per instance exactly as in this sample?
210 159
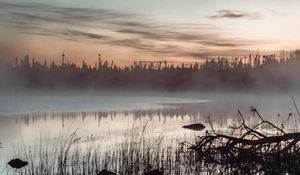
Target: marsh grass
138 151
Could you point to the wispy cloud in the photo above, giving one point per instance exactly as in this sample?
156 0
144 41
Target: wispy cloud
233 14
277 13
80 34
118 28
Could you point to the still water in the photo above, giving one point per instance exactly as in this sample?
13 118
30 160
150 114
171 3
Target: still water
28 119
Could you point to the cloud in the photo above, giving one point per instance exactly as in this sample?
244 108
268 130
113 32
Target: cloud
277 13
235 15
210 53
117 28
231 43
148 46
74 34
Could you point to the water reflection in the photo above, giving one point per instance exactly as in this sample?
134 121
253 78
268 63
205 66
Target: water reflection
102 126
111 127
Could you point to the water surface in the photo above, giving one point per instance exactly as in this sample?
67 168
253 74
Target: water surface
28 119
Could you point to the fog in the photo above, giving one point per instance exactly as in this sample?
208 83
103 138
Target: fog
267 82
254 73
18 102
217 104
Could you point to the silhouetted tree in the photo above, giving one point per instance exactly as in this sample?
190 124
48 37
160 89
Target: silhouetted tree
221 72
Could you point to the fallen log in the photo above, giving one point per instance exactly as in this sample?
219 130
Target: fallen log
248 150
266 140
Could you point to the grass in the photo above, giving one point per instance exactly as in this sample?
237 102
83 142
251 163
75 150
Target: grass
138 152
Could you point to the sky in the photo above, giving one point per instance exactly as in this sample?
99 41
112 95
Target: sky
146 30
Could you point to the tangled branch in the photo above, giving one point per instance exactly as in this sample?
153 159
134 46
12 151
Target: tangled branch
250 150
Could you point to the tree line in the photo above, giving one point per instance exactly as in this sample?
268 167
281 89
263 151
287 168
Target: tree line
221 73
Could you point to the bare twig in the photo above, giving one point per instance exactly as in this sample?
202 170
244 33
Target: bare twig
296 107
247 145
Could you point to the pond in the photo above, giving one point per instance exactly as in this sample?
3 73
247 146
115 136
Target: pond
30 122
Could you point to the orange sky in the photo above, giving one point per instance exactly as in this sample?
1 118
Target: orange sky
139 30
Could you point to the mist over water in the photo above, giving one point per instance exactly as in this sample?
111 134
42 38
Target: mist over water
192 88
19 102
40 115
105 104
28 102
254 73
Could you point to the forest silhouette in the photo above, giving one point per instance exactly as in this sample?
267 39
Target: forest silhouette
247 73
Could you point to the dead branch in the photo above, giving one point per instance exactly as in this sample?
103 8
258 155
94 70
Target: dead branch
249 146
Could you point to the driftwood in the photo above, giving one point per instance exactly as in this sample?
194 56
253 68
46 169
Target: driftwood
247 150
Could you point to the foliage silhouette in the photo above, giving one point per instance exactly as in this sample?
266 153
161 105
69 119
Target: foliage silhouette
262 72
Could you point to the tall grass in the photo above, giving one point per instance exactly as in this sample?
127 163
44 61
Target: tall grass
137 152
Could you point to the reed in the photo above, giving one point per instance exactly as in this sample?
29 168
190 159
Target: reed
136 153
